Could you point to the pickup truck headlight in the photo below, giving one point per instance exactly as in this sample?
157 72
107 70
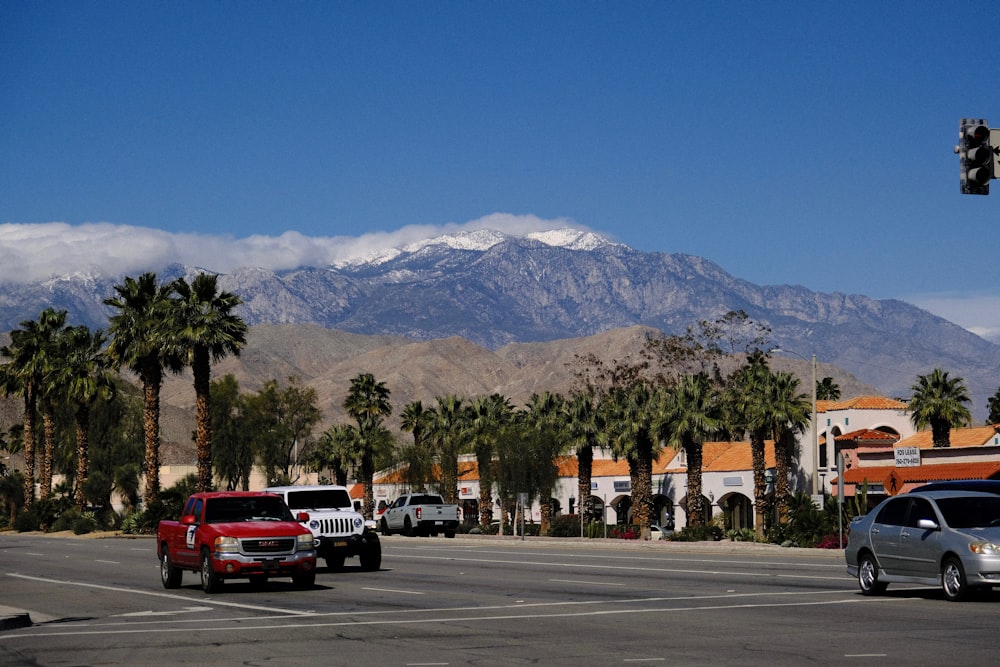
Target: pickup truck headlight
227 545
304 542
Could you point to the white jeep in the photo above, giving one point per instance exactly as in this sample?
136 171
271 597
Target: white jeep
338 530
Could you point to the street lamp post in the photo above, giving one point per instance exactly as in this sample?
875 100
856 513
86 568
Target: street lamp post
815 430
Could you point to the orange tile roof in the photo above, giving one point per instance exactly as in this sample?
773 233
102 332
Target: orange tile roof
861 403
868 435
976 436
923 473
737 456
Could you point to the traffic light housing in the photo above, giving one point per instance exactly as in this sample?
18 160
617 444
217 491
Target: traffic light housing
976 155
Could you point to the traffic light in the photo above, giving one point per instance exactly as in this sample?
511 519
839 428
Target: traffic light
976 156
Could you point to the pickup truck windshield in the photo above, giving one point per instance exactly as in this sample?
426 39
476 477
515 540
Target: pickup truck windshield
256 508
319 499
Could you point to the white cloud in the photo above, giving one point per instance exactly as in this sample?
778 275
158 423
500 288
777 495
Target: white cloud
978 313
31 252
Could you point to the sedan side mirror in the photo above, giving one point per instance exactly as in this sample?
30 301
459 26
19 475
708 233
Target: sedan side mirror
928 524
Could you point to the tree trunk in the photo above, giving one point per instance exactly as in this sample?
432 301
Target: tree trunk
695 515
759 484
202 369
585 473
151 380
82 455
49 430
29 447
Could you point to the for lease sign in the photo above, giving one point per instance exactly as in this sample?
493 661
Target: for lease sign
907 457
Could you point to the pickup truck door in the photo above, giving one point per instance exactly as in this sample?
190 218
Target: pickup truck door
395 514
184 546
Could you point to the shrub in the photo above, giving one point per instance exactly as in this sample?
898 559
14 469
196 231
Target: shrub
698 534
565 525
27 521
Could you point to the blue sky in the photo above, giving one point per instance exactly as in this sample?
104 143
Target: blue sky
790 142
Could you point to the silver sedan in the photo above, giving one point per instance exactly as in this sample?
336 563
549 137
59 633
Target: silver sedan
934 538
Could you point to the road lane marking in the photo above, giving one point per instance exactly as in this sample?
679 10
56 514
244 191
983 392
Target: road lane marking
304 623
169 596
588 583
185 610
392 590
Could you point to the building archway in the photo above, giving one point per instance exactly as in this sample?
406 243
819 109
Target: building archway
706 509
663 511
738 511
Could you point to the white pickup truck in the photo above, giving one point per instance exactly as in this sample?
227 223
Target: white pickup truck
339 531
420 514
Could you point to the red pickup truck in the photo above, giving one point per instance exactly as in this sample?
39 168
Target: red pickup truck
236 534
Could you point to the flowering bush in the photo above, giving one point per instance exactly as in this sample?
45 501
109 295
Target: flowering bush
624 533
830 542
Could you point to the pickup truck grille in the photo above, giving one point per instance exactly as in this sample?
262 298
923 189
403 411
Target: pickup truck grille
335 526
268 545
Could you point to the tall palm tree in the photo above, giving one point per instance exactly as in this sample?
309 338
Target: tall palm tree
368 404
546 414
208 330
692 414
47 364
451 433
141 332
586 432
628 413
489 414
939 402
20 376
790 413
85 377
747 398
416 420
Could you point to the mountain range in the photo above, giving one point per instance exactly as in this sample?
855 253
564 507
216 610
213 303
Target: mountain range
491 293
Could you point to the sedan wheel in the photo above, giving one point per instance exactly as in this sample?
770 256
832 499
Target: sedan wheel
953 580
868 576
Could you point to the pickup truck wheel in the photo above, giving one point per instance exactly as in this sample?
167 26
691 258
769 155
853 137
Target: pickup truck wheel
385 527
210 581
408 528
169 575
371 558
304 579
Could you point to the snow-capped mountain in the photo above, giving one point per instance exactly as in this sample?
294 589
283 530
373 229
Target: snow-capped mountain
494 288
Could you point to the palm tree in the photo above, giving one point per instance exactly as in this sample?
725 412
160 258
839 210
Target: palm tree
208 330
938 401
546 416
46 364
489 414
789 413
416 420
20 376
586 431
85 377
368 404
628 413
747 397
140 331
827 390
450 434
993 404
692 415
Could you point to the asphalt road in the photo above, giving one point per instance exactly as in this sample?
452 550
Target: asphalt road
483 601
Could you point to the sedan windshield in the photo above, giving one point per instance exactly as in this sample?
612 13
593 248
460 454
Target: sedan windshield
970 512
